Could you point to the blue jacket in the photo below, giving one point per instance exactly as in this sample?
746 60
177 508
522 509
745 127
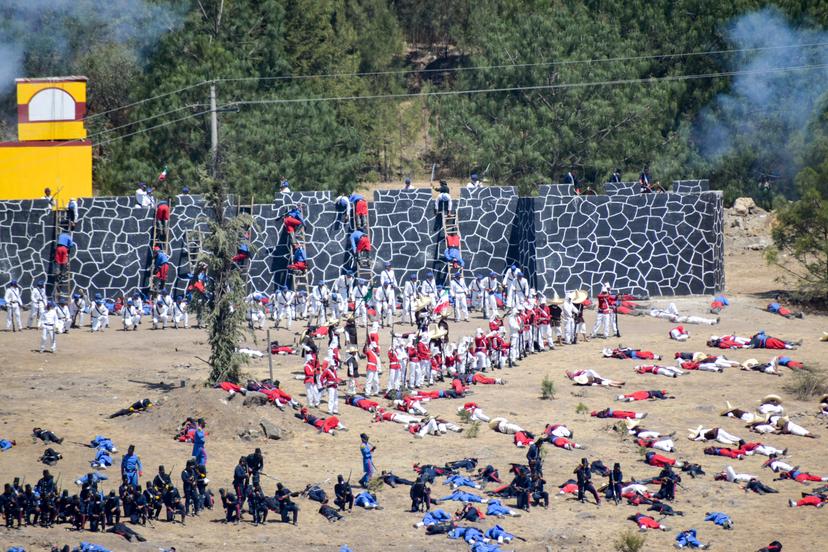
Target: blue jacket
130 463
688 538
297 214
355 197
299 255
355 238
468 534
497 531
66 240
719 518
435 516
495 508
161 258
198 441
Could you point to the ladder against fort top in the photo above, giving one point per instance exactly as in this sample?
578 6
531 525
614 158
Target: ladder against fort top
300 279
62 275
160 240
246 238
364 265
451 233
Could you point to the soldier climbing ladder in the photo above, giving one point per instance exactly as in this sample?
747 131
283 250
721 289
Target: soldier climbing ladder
298 262
452 244
160 246
246 240
364 264
193 243
63 228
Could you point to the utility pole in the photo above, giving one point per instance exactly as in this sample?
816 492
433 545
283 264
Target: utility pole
213 130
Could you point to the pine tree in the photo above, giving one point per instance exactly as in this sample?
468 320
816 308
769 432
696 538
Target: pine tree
225 312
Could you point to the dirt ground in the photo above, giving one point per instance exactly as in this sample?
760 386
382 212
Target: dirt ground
92 375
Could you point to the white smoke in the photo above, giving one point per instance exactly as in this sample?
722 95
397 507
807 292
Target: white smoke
765 108
47 29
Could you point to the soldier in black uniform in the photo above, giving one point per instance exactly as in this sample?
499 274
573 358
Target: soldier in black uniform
584 478
344 494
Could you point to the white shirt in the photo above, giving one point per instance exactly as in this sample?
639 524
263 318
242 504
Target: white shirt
38 296
140 197
458 287
12 295
410 288
358 292
429 287
387 276
49 318
62 312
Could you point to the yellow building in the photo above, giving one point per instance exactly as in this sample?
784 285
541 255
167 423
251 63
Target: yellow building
52 150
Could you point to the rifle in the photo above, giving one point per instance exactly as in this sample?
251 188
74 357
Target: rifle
615 317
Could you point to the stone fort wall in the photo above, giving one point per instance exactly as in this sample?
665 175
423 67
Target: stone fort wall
655 244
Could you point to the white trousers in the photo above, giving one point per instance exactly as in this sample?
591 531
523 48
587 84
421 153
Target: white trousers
461 307
13 317
181 319
333 400
48 338
394 379
99 323
312 392
603 321
372 383
286 312
34 314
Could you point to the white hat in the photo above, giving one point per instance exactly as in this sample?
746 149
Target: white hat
581 379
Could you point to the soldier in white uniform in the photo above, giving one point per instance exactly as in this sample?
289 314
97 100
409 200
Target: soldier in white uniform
78 309
99 314
160 313
38 303
429 287
342 286
181 318
48 321
476 291
387 276
358 294
129 316
459 292
283 306
320 302
381 303
64 318
409 298
255 314
508 280
490 287
13 299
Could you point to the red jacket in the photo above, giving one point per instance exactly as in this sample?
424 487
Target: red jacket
423 352
329 378
310 373
393 360
373 360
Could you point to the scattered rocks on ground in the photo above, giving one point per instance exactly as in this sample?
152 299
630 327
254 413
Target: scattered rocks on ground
743 206
271 430
254 398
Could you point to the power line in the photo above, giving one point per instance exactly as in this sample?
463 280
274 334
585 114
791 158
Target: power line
456 69
145 100
616 82
531 87
522 65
